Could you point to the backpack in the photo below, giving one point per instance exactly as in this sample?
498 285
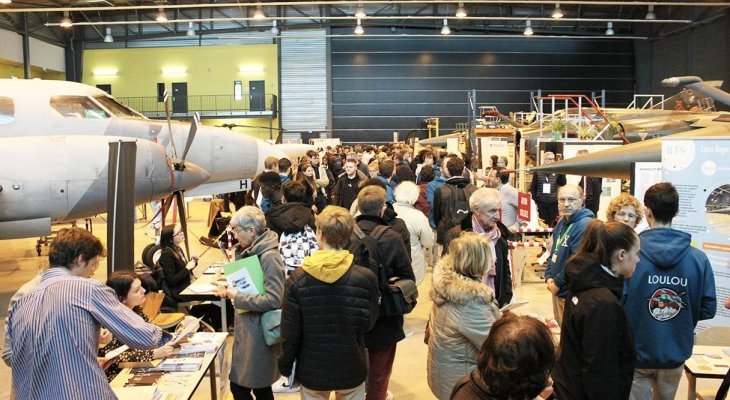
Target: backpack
294 246
397 296
458 205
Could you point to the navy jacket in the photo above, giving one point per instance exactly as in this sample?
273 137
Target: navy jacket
571 233
672 289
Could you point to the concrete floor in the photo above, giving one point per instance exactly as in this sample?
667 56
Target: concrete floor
19 263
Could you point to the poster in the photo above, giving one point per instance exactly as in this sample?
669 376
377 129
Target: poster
643 175
699 170
498 147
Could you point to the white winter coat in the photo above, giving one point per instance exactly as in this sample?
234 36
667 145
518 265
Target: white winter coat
421 237
463 311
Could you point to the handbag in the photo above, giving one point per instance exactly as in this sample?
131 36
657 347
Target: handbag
271 326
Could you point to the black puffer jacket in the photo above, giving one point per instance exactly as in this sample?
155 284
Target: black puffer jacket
396 261
503 280
596 359
177 277
289 218
471 387
323 327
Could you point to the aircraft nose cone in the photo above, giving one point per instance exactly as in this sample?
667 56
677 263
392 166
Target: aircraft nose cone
189 178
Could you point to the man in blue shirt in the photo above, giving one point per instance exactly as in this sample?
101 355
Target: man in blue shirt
672 289
574 218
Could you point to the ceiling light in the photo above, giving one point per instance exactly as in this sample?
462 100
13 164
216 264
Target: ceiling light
259 13
161 16
191 31
557 12
360 12
274 29
66 20
528 29
445 29
461 11
174 70
108 38
609 29
6 1
251 68
105 72
358 29
650 14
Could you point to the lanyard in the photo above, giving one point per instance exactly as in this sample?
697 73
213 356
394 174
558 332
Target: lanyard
561 239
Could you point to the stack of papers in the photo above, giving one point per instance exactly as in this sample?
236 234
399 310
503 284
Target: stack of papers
183 364
202 288
137 393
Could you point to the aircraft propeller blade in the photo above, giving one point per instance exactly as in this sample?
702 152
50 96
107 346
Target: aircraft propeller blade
183 219
191 135
168 114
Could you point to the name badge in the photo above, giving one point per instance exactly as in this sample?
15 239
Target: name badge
546 188
555 258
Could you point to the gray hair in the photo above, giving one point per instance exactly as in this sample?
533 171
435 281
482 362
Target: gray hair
407 193
482 196
250 216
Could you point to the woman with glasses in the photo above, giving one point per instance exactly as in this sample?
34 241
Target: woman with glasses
253 367
626 209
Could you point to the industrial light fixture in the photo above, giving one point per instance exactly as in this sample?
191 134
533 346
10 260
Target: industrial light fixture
105 72
358 29
66 20
445 29
6 1
461 11
259 13
609 29
274 29
557 12
174 70
108 38
528 29
190 31
360 11
650 14
161 16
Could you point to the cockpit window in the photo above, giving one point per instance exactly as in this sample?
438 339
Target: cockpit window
80 107
117 108
7 110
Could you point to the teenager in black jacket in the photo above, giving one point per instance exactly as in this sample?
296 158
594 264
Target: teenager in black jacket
328 306
596 358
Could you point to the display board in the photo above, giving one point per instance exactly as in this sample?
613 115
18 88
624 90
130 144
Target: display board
643 175
323 143
497 147
699 170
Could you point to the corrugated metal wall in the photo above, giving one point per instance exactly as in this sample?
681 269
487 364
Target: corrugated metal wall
304 81
383 84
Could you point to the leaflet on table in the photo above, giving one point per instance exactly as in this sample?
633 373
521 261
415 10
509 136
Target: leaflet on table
137 392
116 352
186 364
246 275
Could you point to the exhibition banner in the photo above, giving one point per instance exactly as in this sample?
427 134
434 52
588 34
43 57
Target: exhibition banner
699 170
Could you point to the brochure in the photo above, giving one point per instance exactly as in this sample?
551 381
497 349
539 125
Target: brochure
246 275
512 306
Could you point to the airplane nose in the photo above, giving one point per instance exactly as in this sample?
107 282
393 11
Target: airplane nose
189 178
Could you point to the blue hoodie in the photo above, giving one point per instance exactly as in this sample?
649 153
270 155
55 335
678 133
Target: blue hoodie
388 190
569 234
672 289
430 190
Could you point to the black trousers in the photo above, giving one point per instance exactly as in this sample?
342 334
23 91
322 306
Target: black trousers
244 393
548 211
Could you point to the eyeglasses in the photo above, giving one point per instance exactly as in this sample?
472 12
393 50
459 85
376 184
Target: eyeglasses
624 214
178 233
568 199
239 229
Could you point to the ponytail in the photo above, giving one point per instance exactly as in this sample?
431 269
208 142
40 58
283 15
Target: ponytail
604 239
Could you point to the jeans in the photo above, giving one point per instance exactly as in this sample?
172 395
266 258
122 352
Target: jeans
380 365
244 393
657 384
356 393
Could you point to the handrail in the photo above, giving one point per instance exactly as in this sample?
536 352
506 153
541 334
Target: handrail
205 105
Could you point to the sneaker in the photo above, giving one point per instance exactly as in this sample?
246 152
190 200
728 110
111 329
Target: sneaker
281 386
389 395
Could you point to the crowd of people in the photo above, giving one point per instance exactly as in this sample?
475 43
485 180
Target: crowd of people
335 229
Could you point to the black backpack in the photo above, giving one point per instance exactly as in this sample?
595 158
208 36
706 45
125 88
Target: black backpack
458 205
397 296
